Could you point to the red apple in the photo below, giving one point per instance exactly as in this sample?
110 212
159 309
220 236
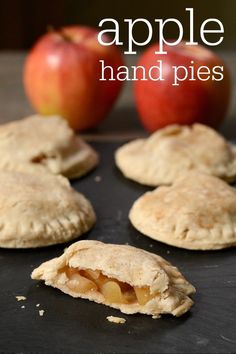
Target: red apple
62 72
161 103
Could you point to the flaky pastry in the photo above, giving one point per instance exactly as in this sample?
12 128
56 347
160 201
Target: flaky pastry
171 151
120 276
48 141
40 209
197 212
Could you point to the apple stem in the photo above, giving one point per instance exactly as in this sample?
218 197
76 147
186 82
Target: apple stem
65 36
60 31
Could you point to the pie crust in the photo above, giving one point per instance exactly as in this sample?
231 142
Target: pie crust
197 212
169 152
46 141
40 209
120 276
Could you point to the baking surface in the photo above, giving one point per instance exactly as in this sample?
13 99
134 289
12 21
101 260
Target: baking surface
76 325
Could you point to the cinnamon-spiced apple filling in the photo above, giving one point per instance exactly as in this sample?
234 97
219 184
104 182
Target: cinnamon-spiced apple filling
113 290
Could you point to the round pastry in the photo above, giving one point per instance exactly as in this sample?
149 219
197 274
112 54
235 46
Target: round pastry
45 141
197 212
40 209
174 150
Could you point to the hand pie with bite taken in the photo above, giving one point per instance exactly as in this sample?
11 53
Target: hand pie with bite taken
171 151
120 276
40 209
197 212
48 141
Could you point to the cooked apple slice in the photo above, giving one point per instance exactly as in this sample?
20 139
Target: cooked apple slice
91 274
130 296
143 294
78 283
112 292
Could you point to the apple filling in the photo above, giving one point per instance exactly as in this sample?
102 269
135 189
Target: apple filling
113 290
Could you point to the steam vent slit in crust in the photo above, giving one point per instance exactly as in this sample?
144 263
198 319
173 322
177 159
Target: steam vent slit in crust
197 212
120 276
174 150
40 209
48 142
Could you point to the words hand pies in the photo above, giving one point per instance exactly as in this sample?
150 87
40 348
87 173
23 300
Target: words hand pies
169 152
48 141
120 276
40 209
197 212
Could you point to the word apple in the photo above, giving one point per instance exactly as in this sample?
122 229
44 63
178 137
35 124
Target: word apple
186 93
158 30
61 76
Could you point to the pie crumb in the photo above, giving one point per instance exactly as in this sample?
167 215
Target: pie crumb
22 307
41 312
114 319
20 298
154 317
98 179
37 305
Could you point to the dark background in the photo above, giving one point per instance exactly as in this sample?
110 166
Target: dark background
23 21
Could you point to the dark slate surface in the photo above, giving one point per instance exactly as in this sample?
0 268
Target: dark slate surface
73 325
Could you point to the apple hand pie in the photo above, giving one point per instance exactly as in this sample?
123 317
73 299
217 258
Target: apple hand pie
40 209
167 153
48 141
120 276
197 212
